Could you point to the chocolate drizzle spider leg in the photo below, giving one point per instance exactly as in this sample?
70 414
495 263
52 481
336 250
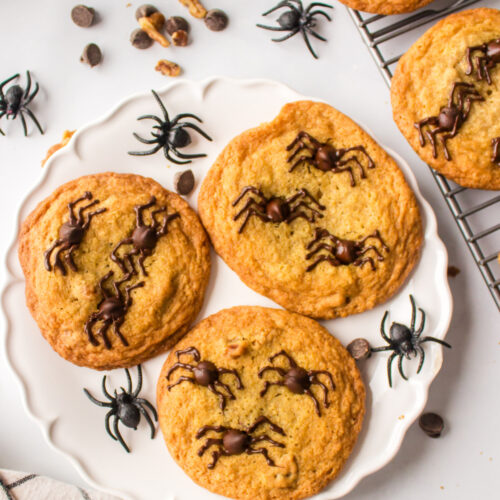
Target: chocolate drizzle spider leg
485 63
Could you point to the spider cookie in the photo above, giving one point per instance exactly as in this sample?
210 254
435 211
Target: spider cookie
445 97
295 390
310 211
116 269
386 7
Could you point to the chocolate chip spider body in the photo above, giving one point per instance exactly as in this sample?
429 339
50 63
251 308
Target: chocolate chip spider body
71 234
277 209
238 441
125 407
111 311
326 157
343 252
405 342
451 117
206 374
144 237
298 380
486 62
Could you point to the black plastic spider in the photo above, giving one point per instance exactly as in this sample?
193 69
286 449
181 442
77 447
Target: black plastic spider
298 19
405 341
15 102
126 407
170 135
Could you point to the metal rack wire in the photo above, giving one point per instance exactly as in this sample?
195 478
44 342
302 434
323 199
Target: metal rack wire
473 210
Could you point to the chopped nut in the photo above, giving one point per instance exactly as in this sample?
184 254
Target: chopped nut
168 68
236 349
195 8
152 26
180 38
56 147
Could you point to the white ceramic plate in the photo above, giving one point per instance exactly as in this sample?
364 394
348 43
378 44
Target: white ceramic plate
52 387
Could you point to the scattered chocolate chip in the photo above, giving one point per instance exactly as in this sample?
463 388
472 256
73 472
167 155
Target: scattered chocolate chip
145 11
432 424
180 38
91 55
453 271
184 182
216 20
359 349
176 23
140 39
83 16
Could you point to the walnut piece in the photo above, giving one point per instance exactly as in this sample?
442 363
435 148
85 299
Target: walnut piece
195 8
236 349
152 26
168 68
180 38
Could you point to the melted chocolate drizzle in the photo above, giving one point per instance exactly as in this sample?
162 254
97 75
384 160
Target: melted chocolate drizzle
343 252
451 117
206 374
71 234
277 209
238 441
486 62
495 153
298 380
326 157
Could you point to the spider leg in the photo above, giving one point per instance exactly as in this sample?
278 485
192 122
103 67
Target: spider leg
118 435
5 82
69 257
117 259
33 117
172 159
144 141
468 56
422 358
361 262
433 120
181 379
23 121
222 397
148 419
262 451
331 260
264 420
389 367
128 298
272 28
96 401
144 153
384 348
422 323
356 161
304 193
90 215
413 313
106 423
250 212
265 437
198 129
316 404
28 85
94 317
284 3
222 371
33 95
321 246
314 34
142 257
178 365
300 159
286 37
57 260
162 106
245 190
400 367
218 383
304 204
184 156
375 249
151 117
184 115
317 4
434 339
48 252
166 220
102 332
303 215
250 203
324 372
208 443
269 384
215 457
149 406
215 428
277 369
293 363
308 43
192 351
320 13
325 391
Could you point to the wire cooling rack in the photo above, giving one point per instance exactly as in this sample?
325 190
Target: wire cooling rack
476 212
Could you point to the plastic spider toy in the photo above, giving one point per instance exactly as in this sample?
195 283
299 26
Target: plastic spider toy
206 374
451 117
326 157
405 341
144 238
495 153
486 62
342 252
125 407
170 135
297 19
71 234
238 441
15 102
277 209
111 311
298 380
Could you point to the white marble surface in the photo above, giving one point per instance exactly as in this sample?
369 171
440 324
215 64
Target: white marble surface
39 36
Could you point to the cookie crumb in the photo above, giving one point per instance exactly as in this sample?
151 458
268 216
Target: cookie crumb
168 68
453 271
236 349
